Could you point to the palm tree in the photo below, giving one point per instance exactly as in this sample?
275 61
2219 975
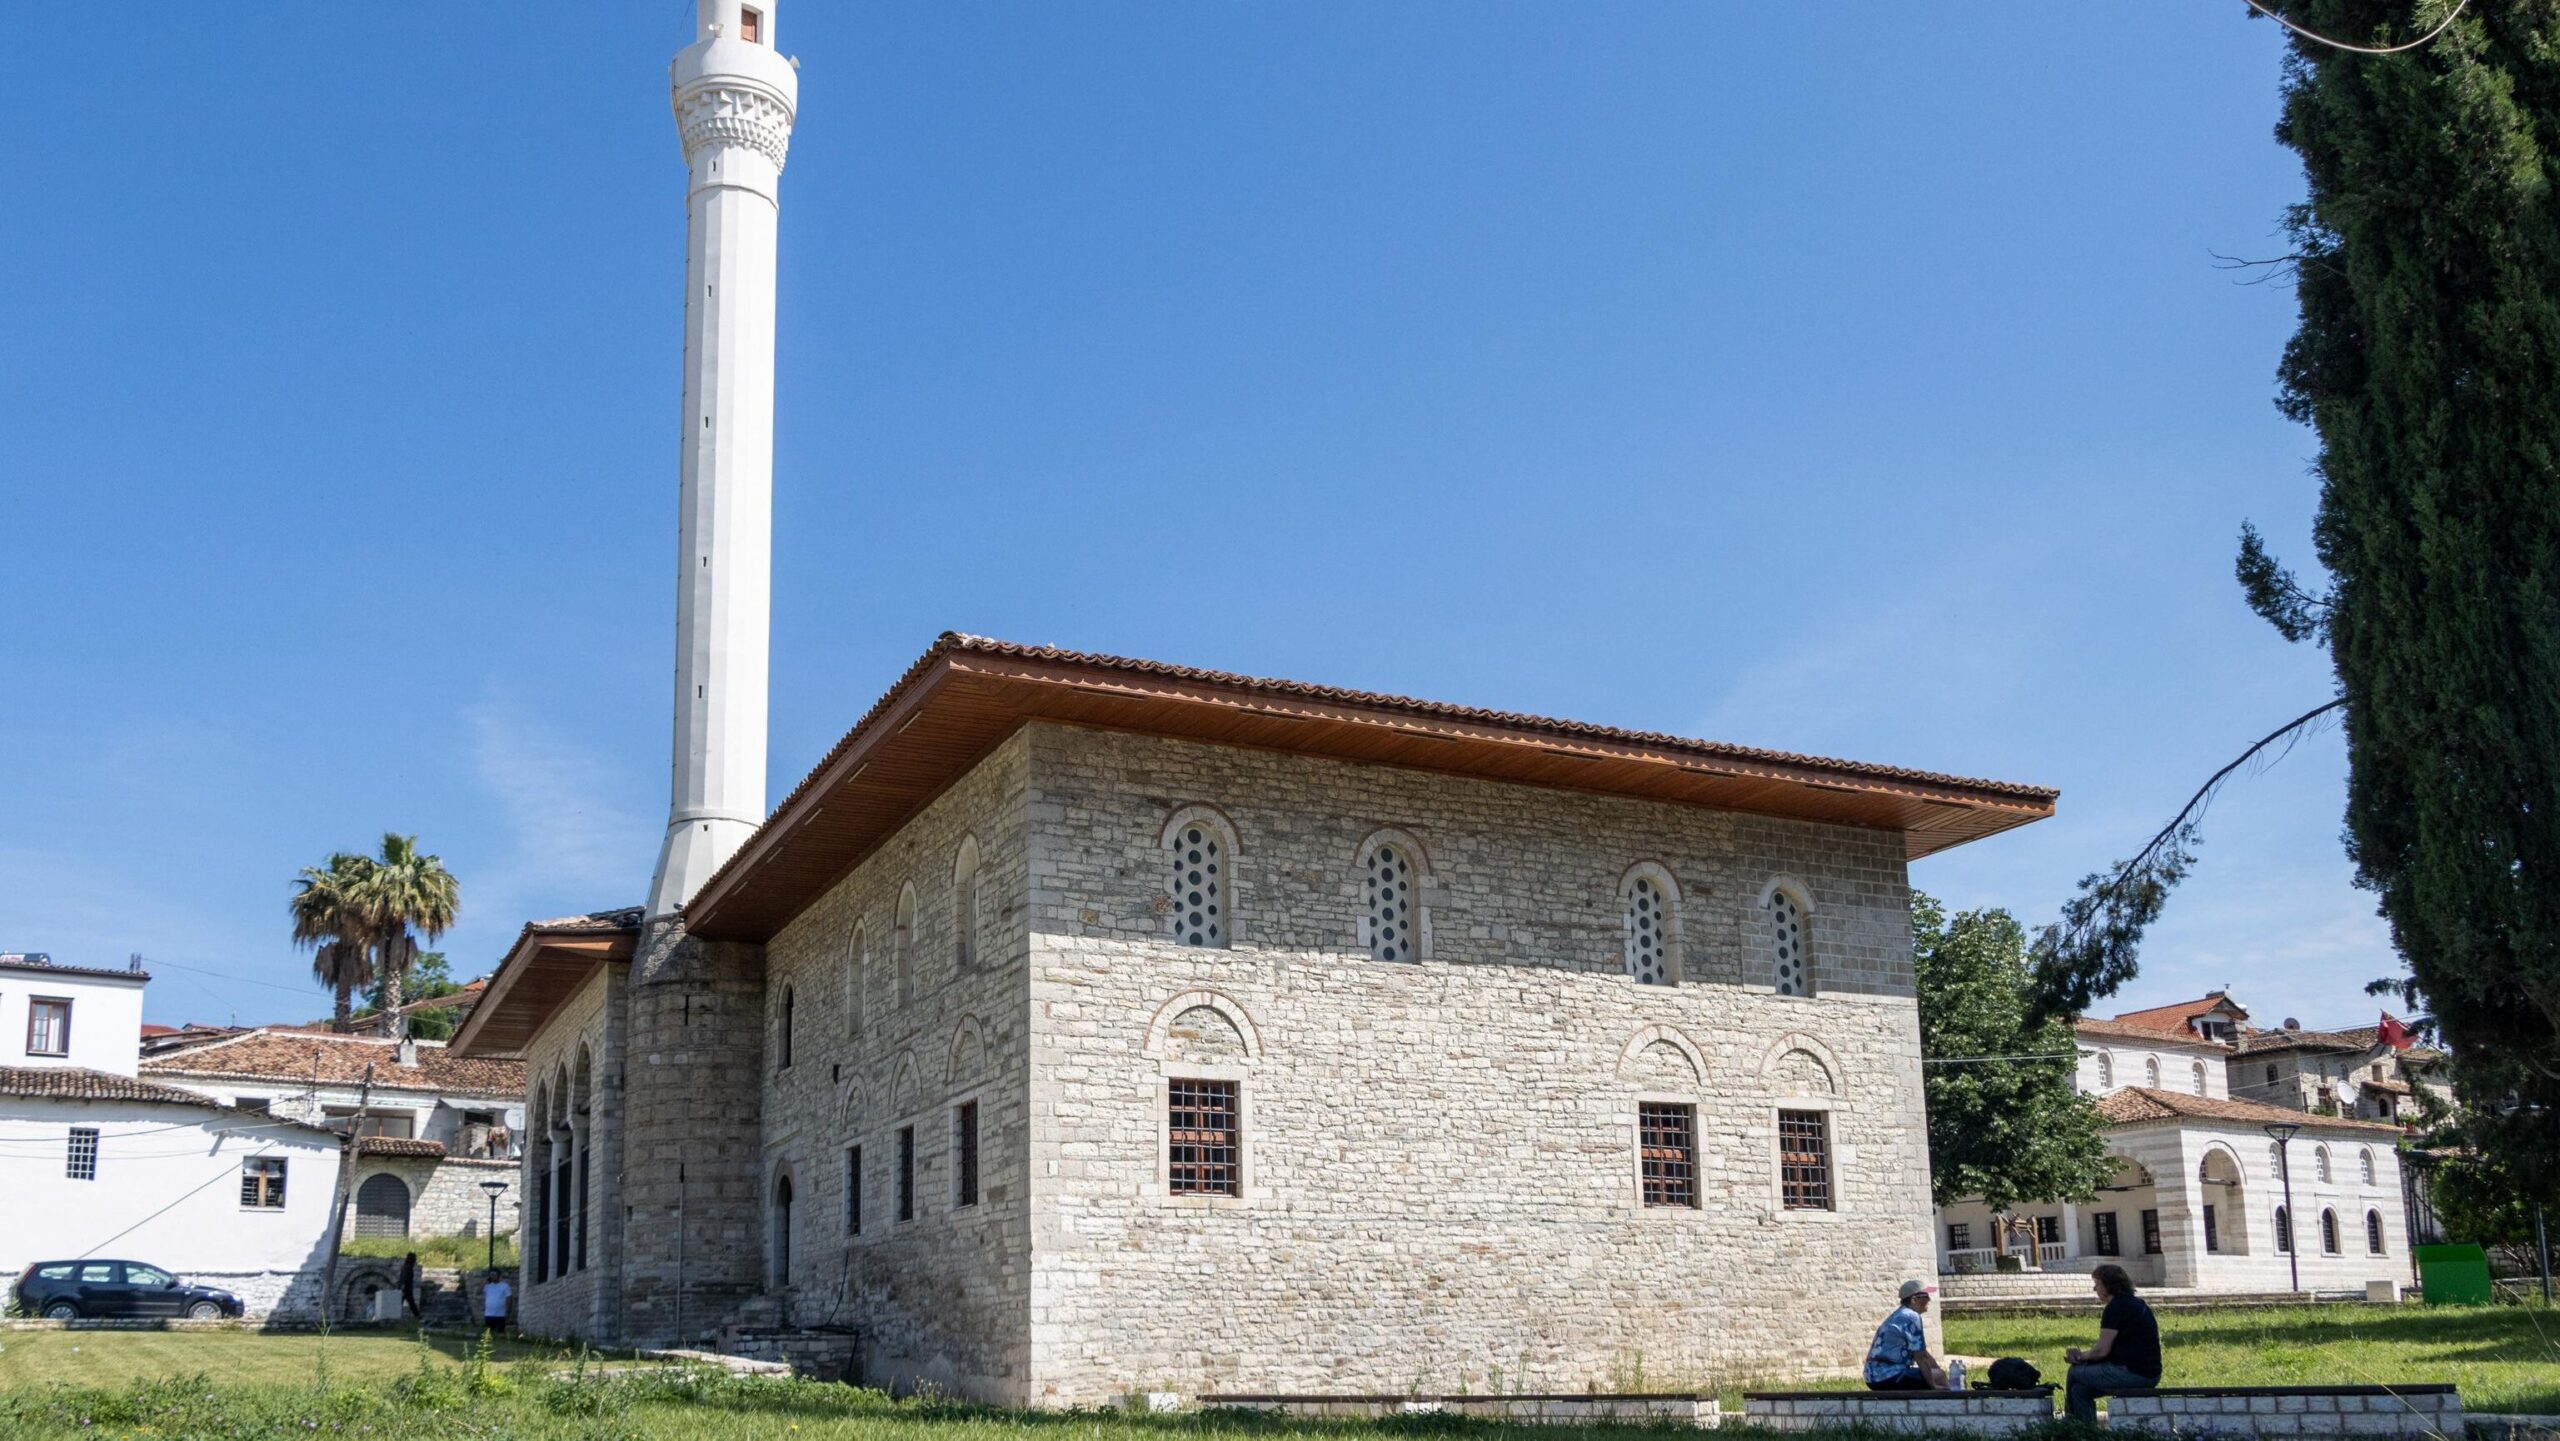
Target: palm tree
405 896
329 916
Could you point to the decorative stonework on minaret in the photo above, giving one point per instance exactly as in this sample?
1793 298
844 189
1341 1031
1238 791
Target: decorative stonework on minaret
734 99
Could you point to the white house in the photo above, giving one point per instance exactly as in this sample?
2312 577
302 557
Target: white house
107 1166
69 1015
2199 1200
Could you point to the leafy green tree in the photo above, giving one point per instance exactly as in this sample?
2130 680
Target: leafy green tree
407 895
2428 363
427 980
2013 1128
2478 1199
329 916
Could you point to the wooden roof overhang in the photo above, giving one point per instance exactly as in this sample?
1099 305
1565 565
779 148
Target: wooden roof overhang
967 695
546 967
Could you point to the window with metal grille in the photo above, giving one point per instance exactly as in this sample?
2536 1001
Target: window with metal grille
853 1190
262 1183
2196 1078
1648 922
48 1026
2151 1233
2102 1230
1804 1160
964 1154
1667 1148
1202 1126
2284 1230
2373 1232
382 1206
906 1173
1959 1236
2048 1230
1389 887
1200 854
1786 939
2329 1231
2212 1232
80 1163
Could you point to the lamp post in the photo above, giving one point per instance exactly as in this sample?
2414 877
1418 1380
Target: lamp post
2284 1132
495 1190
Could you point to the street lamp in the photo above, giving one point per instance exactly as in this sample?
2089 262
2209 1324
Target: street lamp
2284 1132
495 1190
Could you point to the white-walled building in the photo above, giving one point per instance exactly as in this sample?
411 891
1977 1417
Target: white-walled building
2199 1198
108 1166
69 1015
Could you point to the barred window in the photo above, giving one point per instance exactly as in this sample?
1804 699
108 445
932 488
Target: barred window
2329 1231
262 1183
2048 1230
2102 1229
2284 1230
2364 1164
2151 1232
2373 1232
1786 939
2197 1079
1648 923
1206 1137
1667 1147
906 1173
964 1154
1200 854
80 1163
1959 1236
1804 1160
1389 885
2212 1231
853 1190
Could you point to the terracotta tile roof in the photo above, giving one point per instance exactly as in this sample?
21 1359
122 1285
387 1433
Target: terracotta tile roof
2136 1104
274 1054
2268 1042
73 1083
2149 1036
2174 1019
398 1146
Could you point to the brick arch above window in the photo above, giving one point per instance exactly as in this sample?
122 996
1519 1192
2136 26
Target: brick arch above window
1394 875
1783 1066
905 1084
1642 1058
968 1053
849 1110
1161 1043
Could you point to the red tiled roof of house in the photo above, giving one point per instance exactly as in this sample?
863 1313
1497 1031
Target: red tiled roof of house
398 1146
2118 1030
2136 1104
74 1083
274 1054
2176 1019
2257 1042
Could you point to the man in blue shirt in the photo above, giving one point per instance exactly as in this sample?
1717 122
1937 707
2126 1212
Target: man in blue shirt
1900 1360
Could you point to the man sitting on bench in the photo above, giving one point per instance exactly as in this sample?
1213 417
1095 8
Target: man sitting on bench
1899 1360
2127 1356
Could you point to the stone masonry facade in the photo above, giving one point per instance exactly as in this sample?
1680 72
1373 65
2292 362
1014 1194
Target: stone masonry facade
1439 1156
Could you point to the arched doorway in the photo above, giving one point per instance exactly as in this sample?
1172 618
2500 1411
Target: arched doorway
382 1206
2226 1213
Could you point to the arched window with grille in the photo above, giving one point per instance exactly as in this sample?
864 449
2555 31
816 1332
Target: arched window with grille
2151 1072
857 965
2373 1233
902 949
382 1206
2106 1072
2320 1164
964 905
1790 912
1200 852
2365 1165
1649 905
1395 911
2197 1078
2284 1230
2328 1231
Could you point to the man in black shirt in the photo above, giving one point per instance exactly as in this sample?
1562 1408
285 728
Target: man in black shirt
2127 1356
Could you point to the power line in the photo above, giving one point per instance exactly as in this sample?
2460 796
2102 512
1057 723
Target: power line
2313 35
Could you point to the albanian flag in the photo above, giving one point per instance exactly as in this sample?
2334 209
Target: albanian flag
2394 1034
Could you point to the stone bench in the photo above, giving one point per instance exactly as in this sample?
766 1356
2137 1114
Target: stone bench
1688 1408
2427 1410
1979 1412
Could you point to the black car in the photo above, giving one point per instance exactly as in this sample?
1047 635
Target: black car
76 1290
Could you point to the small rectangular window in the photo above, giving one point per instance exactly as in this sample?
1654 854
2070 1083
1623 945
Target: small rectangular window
2049 1230
1804 1160
853 1191
1205 1139
262 1183
80 1163
964 1154
1667 1152
906 1173
1959 1236
2151 1233
2102 1229
48 1026
751 25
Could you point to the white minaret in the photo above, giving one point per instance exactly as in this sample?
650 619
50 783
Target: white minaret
734 100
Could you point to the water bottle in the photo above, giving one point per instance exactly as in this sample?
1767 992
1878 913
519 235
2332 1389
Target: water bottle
1955 1375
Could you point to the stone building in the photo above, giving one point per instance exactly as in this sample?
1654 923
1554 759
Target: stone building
1082 1025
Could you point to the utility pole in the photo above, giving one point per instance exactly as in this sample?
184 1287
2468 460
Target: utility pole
346 1184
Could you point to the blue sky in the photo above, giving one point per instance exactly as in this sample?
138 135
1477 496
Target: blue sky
1850 379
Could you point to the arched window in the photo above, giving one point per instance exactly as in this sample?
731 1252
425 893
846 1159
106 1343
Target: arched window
902 948
2320 1163
2364 1163
2328 1231
2199 1078
2271 1075
1387 886
382 1206
964 905
783 1025
2275 1160
1651 907
2284 1230
2373 1233
2151 1072
782 1230
2106 1072
1790 954
857 967
1199 871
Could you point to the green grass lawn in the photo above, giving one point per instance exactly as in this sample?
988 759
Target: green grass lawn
117 1358
2505 1358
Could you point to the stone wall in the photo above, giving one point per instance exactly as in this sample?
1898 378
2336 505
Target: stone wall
941 1300
1440 1173
2290 1411
559 1088
1937 1413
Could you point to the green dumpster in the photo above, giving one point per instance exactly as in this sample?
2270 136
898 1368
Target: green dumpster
2454 1275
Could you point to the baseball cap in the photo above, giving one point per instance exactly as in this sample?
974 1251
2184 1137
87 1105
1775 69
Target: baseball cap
1917 1288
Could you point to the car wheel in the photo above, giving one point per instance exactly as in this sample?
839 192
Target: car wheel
204 1311
62 1311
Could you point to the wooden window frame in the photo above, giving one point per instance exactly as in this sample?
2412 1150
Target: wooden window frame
262 1188
1808 1180
751 24
1202 1157
2106 1233
36 1004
